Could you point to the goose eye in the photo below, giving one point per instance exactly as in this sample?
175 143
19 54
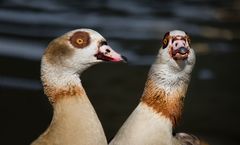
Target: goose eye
165 42
79 41
189 40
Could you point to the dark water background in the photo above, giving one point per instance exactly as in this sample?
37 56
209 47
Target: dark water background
134 28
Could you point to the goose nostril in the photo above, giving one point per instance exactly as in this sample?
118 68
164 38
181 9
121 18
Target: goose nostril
107 50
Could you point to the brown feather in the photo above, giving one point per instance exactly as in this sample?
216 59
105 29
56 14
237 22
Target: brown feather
169 105
57 93
58 51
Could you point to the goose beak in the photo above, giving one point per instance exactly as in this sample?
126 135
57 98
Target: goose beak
106 53
180 50
180 53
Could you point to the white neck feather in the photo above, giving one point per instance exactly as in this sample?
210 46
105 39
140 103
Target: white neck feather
75 121
169 79
58 75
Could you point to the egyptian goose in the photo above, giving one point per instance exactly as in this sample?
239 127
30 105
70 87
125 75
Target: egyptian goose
74 121
161 104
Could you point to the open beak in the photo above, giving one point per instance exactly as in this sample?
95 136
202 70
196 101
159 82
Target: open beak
179 50
106 53
180 53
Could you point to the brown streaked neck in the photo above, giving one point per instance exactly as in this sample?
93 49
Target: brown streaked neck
164 95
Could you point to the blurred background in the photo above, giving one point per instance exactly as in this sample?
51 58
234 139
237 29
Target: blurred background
134 28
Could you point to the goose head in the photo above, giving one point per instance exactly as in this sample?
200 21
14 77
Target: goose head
79 49
176 51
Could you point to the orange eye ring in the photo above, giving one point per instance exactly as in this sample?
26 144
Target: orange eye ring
165 41
79 41
189 40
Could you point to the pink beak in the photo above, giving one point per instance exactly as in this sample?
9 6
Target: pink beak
180 49
106 53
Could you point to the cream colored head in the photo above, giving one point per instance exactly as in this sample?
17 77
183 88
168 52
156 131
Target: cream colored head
176 51
79 49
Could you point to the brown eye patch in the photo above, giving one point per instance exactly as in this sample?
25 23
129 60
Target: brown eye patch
80 39
165 40
188 39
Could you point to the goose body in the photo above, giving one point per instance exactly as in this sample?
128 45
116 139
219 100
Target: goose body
74 121
161 104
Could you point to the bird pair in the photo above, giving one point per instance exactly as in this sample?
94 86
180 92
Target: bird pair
75 121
